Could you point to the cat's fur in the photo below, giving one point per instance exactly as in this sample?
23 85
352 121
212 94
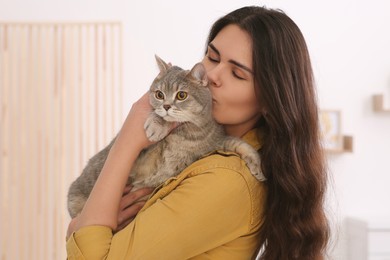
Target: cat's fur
196 135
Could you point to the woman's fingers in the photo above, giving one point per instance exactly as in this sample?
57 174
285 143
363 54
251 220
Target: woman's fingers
131 197
122 225
127 215
132 129
131 203
127 189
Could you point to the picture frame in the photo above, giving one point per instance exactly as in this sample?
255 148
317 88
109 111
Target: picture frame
330 126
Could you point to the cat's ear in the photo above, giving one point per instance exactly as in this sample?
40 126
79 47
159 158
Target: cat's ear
198 73
162 65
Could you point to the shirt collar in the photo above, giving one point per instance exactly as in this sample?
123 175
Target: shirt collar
254 137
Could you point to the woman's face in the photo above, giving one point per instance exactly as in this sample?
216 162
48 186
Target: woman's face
228 64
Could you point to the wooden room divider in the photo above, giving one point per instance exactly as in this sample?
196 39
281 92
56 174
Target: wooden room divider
60 102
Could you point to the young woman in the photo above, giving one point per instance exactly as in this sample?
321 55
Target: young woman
263 91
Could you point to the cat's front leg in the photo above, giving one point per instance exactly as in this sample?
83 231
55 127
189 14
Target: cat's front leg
156 128
247 153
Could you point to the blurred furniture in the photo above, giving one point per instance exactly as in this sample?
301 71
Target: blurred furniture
379 104
368 239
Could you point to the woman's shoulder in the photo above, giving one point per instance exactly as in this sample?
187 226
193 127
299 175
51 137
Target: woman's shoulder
219 160
226 170
227 159
227 167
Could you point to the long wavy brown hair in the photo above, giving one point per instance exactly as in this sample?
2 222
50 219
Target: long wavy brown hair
295 225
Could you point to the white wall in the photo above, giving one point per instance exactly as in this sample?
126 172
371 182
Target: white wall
350 47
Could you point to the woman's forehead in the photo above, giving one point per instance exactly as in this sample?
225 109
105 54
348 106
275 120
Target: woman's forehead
233 43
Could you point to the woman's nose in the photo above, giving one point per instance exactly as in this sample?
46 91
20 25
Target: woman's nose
214 76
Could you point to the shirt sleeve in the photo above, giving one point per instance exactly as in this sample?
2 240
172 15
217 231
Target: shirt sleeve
91 242
202 213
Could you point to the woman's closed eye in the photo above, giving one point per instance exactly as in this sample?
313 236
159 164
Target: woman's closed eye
212 54
236 75
211 58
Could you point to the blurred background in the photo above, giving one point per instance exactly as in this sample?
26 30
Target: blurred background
70 70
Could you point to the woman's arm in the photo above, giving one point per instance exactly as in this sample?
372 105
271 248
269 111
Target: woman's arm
102 206
200 214
130 205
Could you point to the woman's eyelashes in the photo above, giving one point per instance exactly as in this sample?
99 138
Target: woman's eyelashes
215 60
212 59
237 76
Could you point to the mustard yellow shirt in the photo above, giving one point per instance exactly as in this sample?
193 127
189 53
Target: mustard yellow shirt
212 210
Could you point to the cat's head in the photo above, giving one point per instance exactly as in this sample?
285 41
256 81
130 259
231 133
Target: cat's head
179 95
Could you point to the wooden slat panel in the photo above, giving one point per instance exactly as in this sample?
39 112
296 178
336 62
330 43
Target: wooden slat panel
60 96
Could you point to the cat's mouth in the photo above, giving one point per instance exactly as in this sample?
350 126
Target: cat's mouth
164 114
169 118
172 119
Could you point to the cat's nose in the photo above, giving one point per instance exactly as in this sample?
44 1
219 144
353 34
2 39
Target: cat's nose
166 107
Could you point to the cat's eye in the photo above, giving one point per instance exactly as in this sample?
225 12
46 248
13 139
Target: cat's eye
159 95
181 95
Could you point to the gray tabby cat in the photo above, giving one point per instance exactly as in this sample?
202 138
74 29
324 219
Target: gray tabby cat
176 95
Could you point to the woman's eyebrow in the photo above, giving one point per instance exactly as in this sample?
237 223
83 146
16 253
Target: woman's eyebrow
214 48
242 66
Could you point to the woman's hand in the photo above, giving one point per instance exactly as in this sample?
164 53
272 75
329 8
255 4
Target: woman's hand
133 126
131 203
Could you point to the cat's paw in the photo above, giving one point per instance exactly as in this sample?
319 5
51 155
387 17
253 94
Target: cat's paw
253 162
156 128
248 154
